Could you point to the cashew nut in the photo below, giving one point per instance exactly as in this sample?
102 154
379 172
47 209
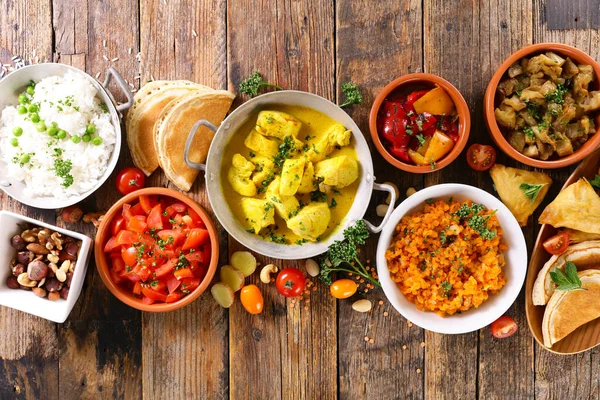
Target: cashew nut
65 266
311 267
381 210
388 200
61 275
53 258
266 271
24 280
410 191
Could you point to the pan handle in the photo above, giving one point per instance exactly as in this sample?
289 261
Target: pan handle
122 84
190 139
383 188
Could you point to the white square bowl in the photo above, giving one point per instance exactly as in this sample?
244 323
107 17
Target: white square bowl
25 300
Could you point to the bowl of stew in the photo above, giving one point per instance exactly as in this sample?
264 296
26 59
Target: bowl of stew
419 123
542 105
156 250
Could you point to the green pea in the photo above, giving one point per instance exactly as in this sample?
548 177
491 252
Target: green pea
75 139
55 124
30 90
32 108
51 131
40 126
23 99
34 118
87 138
14 142
61 134
91 129
25 159
17 131
97 141
21 109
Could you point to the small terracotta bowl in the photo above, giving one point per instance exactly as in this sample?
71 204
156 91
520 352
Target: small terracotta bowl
123 293
489 105
420 81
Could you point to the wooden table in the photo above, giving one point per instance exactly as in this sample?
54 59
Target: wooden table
108 350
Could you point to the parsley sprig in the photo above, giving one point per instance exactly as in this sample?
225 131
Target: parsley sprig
568 280
531 190
342 255
251 85
477 222
596 182
352 94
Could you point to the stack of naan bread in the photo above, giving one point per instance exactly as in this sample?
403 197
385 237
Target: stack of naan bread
577 210
160 120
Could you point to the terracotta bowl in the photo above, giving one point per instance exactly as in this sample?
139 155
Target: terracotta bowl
124 294
419 81
489 104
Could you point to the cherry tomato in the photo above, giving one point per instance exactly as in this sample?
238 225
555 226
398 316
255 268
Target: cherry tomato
290 282
252 299
343 288
481 157
557 244
504 327
129 180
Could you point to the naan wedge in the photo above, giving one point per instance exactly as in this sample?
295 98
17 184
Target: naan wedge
567 311
148 104
576 207
507 181
583 255
173 126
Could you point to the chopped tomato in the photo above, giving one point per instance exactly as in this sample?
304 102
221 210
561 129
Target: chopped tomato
118 265
111 245
197 237
504 327
481 157
137 209
198 257
137 288
136 225
172 283
129 255
142 271
183 273
195 217
557 244
127 214
148 301
126 238
170 237
115 277
166 268
173 297
145 203
153 294
118 224
155 218
190 284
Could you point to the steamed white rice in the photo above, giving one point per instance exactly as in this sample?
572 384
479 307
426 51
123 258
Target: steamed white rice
72 102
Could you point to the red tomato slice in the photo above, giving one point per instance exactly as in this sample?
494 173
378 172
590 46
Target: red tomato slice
173 297
131 276
126 213
195 216
196 238
172 283
481 157
111 245
175 208
200 271
147 300
155 218
557 244
118 224
170 236
504 327
166 268
183 273
137 287
118 265
145 203
114 275
153 294
126 238
143 273
136 224
138 210
190 284
129 255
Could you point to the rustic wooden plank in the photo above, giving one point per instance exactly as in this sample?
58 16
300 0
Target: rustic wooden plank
101 341
28 344
196 364
558 376
286 352
572 14
390 34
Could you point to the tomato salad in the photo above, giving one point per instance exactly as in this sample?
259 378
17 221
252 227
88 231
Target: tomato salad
159 249
420 127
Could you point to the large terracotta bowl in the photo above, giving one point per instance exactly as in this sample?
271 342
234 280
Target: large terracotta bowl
125 294
420 81
489 105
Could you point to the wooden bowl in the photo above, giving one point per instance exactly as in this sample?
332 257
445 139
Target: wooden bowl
124 294
421 79
489 105
588 335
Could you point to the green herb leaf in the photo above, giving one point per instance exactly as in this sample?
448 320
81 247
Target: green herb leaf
352 94
421 139
596 182
531 190
568 280
251 85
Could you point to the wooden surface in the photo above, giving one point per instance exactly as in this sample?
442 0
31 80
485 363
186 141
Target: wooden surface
108 350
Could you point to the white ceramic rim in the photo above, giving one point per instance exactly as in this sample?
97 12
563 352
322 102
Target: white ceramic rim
496 305
224 213
40 71
56 311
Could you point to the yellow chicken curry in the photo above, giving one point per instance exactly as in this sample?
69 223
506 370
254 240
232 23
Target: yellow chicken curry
290 174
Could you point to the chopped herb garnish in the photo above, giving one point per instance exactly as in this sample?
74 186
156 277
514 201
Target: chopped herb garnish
352 94
251 85
596 182
421 139
529 132
531 190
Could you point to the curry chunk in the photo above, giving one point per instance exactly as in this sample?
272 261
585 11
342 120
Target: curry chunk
277 124
311 221
291 176
261 145
259 213
263 172
239 176
336 135
285 206
337 171
308 178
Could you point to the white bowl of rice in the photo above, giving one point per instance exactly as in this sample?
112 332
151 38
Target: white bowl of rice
60 135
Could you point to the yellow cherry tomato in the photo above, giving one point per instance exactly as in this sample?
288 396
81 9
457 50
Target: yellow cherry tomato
343 288
252 299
